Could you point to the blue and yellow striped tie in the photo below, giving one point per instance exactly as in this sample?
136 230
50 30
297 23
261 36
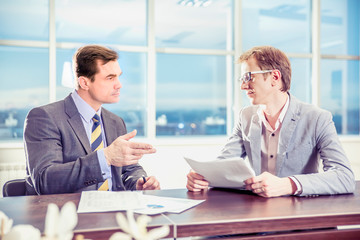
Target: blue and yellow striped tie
97 143
96 138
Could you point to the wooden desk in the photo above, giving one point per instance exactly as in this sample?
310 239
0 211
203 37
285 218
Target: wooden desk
224 212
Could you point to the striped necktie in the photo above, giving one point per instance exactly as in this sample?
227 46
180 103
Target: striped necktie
97 143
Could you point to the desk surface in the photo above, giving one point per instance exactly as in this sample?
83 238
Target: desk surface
223 212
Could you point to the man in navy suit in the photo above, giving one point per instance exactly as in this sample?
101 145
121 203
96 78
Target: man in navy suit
58 135
282 138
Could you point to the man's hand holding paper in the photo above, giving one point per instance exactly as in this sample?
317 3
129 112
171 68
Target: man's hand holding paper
226 173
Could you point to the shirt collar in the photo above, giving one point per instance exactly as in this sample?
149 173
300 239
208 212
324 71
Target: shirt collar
284 110
280 119
85 110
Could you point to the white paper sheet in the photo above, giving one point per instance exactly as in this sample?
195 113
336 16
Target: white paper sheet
102 201
225 173
155 205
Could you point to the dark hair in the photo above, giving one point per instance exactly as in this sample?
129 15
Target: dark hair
269 58
85 60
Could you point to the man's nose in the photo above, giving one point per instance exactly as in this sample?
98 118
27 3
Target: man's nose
244 85
118 84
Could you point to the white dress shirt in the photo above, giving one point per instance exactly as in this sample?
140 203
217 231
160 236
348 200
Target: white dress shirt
270 143
87 113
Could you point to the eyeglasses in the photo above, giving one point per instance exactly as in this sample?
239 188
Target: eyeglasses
247 76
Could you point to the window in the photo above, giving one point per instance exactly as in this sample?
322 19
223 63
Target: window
101 22
191 88
340 27
178 58
301 79
191 95
64 75
23 86
340 63
181 24
283 24
24 20
340 93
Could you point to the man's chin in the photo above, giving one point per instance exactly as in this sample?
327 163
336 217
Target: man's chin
113 99
252 100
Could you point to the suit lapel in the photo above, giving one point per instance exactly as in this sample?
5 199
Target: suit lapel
255 143
287 129
76 123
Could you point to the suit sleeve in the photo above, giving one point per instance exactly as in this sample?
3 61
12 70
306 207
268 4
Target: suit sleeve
44 146
337 177
235 144
130 175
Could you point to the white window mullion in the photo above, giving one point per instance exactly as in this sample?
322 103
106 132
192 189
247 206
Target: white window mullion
230 41
316 18
52 52
238 50
344 95
151 72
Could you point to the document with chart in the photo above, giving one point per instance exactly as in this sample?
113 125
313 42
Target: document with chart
108 201
225 173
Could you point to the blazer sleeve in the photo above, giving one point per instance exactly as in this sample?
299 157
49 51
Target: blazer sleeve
52 170
236 145
130 175
337 176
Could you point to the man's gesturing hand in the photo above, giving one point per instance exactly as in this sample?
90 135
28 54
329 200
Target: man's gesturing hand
122 152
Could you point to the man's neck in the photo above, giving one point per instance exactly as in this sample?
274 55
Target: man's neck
273 109
85 96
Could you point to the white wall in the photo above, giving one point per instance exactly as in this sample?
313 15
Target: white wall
168 165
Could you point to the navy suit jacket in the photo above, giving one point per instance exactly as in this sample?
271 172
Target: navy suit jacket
58 152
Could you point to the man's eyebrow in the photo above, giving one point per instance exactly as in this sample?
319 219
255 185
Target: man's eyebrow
114 74
111 75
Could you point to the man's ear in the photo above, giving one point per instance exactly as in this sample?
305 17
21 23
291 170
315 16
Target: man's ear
83 82
276 77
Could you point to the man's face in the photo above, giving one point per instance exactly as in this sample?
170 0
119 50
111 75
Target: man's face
258 89
106 85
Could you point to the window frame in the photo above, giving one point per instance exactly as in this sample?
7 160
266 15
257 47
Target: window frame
233 92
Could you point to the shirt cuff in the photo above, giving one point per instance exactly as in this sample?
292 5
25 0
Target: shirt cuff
105 168
298 186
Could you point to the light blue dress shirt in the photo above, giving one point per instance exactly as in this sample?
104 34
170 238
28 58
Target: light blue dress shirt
87 113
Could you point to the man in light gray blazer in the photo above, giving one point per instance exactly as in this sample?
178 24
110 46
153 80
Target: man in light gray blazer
282 138
57 136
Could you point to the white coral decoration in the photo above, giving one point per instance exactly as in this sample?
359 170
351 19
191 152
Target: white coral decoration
60 224
23 232
18 232
137 229
5 223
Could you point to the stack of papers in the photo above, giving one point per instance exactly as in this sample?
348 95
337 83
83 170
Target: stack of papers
224 173
103 201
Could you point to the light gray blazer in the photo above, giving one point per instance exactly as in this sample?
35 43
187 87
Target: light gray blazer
58 152
307 134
